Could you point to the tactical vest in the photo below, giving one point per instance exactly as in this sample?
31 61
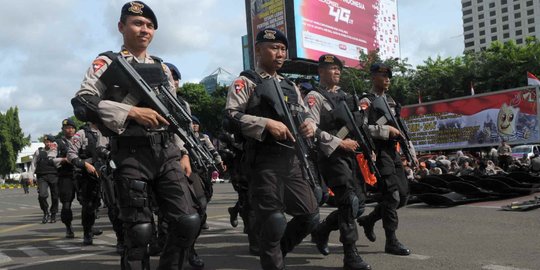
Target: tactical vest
257 106
44 164
118 87
63 147
328 122
90 150
373 115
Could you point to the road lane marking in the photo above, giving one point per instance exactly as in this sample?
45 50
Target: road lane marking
17 228
32 251
4 258
501 267
74 257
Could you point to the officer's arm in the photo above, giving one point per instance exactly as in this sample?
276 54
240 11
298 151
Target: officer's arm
212 149
114 115
237 99
73 150
327 142
32 168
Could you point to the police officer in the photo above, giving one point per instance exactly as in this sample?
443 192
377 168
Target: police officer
233 154
337 164
66 187
277 184
149 159
393 183
45 165
82 154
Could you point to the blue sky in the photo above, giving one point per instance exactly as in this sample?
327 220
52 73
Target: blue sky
46 47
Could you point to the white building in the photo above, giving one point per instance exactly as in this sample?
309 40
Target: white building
485 21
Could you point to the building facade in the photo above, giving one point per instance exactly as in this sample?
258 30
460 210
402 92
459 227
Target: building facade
485 21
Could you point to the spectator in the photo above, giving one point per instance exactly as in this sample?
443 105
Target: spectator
454 168
504 153
422 171
535 163
466 169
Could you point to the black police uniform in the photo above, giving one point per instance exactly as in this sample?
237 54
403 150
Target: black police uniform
342 175
88 186
277 184
66 187
47 178
393 185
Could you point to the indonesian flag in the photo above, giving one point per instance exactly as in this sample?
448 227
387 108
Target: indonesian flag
532 80
472 89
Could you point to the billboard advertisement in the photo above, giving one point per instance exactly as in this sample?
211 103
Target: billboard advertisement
345 28
475 121
267 13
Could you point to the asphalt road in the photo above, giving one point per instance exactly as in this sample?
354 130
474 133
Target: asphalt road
474 236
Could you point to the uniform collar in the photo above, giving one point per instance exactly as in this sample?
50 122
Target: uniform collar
130 57
266 75
376 94
334 89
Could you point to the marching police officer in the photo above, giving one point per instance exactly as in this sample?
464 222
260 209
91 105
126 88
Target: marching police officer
393 184
149 158
277 184
83 155
45 165
66 187
337 164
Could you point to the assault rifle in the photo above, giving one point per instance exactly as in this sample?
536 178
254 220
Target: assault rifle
169 107
380 104
343 114
301 146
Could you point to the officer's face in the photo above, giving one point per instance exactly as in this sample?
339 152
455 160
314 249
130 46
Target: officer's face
195 127
68 131
330 75
271 55
138 32
381 81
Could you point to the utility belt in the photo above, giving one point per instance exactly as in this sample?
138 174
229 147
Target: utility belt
152 139
273 148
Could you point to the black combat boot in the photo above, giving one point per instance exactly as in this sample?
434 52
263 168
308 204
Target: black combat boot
87 239
352 260
97 231
319 236
45 217
194 259
53 218
69 231
368 228
233 216
393 246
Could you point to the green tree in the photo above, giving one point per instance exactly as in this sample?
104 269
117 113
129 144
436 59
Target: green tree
12 140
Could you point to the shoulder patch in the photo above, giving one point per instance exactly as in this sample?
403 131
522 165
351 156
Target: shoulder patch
311 101
239 85
97 64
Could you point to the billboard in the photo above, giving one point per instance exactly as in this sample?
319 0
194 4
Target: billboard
341 27
475 121
345 28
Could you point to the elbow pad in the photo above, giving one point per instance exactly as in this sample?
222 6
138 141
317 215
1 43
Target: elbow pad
85 108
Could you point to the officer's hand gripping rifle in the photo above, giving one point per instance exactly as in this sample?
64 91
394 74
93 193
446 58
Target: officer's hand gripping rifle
276 98
343 114
170 108
380 104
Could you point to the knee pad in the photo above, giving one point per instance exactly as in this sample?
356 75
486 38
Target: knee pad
349 205
391 200
185 230
137 238
403 201
139 235
273 227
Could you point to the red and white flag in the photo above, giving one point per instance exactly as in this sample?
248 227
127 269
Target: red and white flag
472 89
532 80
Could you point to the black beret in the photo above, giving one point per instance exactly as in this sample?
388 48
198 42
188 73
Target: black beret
330 59
195 120
138 8
174 70
271 35
49 137
68 122
380 68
